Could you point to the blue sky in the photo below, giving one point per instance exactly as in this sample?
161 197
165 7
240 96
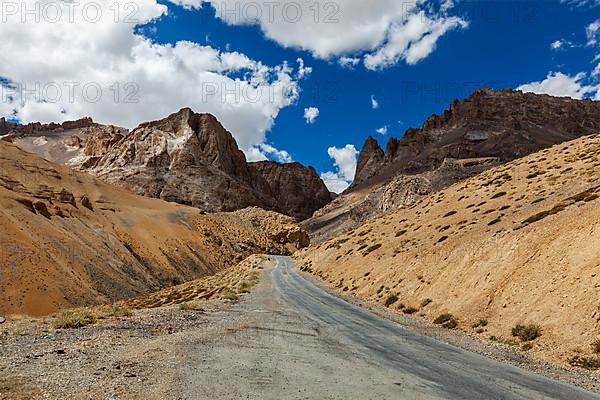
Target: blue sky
500 44
505 45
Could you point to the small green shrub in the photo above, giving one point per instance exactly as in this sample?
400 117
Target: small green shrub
508 342
585 362
426 302
448 321
244 287
120 311
596 346
495 221
391 299
443 318
409 310
371 249
527 332
527 346
229 294
480 323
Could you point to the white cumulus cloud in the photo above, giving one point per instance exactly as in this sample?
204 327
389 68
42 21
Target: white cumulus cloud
349 62
592 31
311 114
558 44
380 32
562 85
383 130
344 160
303 71
74 67
374 103
412 41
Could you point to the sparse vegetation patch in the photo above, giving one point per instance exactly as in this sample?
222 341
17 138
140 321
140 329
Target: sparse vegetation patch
446 320
229 294
426 302
527 332
501 340
190 307
391 299
74 318
586 362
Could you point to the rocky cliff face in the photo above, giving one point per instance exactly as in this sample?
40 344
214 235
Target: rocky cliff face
295 188
370 160
6 126
191 159
502 124
186 158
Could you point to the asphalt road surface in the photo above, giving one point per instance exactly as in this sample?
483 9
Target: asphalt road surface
292 340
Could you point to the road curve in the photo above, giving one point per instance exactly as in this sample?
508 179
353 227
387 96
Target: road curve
434 369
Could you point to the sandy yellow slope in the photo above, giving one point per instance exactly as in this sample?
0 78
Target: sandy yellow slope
68 239
517 244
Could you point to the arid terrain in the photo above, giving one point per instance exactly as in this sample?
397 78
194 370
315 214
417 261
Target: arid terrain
287 339
156 263
518 244
187 158
489 128
300 200
69 239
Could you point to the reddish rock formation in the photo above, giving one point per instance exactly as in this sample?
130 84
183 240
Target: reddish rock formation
297 190
37 127
5 126
369 160
186 158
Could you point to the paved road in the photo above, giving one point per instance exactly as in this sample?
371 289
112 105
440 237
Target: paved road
291 340
439 370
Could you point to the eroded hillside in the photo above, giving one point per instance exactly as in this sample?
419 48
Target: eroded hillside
187 158
68 239
519 243
489 128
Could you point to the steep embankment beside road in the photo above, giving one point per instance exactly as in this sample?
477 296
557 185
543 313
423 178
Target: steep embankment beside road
519 243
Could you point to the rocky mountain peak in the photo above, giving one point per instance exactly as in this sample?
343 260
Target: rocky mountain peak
187 158
504 124
5 126
369 158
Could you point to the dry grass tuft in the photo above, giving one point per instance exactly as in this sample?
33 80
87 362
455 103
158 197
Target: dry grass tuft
190 307
391 299
527 333
592 362
229 294
74 318
446 320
